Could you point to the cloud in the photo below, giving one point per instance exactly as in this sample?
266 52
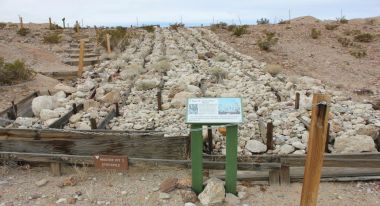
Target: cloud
125 12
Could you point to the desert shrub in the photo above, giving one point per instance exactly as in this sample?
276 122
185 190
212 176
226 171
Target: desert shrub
2 25
267 42
365 37
273 69
348 32
231 27
284 21
148 28
262 21
120 38
53 38
218 74
175 26
331 26
23 31
345 41
14 72
342 20
221 57
76 27
315 33
370 21
358 53
220 25
240 30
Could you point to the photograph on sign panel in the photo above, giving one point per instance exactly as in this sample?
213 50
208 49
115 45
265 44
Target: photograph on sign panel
229 106
193 108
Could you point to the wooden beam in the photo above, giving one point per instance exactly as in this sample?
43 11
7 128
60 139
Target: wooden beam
297 102
24 106
55 168
269 135
103 124
62 121
316 144
108 42
81 56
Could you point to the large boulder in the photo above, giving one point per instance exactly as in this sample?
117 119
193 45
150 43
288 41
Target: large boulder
369 130
180 99
46 114
354 144
25 121
111 97
43 102
255 146
286 149
213 193
90 103
86 86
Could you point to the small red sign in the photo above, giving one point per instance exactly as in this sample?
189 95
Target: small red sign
111 162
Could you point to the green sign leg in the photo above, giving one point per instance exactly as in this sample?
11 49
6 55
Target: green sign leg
231 159
196 158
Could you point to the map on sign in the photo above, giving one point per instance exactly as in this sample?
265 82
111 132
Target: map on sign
214 110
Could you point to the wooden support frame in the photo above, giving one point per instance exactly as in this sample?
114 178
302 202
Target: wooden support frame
81 58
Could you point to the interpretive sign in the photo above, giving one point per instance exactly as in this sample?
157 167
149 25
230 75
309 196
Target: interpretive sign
111 162
214 110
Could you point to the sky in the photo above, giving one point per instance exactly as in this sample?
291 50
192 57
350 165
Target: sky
193 12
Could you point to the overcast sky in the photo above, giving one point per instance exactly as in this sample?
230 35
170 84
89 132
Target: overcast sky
125 12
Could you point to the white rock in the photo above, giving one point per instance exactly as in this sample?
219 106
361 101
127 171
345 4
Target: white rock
65 88
213 193
50 121
43 102
86 86
255 146
90 103
75 118
232 199
242 195
164 196
82 126
193 89
111 97
61 201
369 130
60 95
286 149
298 145
179 100
25 121
352 144
146 84
299 152
190 204
46 114
42 182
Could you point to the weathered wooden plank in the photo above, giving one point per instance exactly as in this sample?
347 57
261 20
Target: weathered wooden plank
23 106
274 177
103 123
336 162
61 122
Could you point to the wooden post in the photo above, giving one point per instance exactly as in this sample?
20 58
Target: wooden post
77 27
81 56
55 168
63 22
274 177
117 112
108 37
50 26
327 138
297 104
316 144
93 123
269 135
209 137
21 23
75 110
284 175
159 100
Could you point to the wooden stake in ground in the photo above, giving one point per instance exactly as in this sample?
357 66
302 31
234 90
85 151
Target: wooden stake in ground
108 38
50 26
63 21
81 56
316 148
21 23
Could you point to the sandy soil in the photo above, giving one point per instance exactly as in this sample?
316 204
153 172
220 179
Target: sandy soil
139 186
323 58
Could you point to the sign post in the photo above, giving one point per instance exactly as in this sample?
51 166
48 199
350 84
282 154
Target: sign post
214 111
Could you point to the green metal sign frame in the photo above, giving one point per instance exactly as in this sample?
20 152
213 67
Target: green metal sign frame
197 158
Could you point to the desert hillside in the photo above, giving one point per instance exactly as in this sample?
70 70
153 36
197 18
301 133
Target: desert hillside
336 56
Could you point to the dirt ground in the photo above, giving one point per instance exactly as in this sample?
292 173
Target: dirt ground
139 186
323 58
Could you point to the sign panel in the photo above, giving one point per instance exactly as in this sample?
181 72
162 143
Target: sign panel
111 162
214 110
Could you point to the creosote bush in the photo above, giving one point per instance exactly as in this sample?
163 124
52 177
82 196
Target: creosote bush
148 28
262 21
365 37
346 42
175 26
273 69
220 25
11 73
53 38
240 30
267 42
315 33
351 32
120 38
23 31
284 21
231 27
218 74
358 53
331 26
342 20
2 25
